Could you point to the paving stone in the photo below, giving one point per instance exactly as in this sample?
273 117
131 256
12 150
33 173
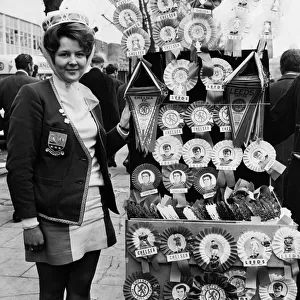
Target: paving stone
31 272
17 286
107 292
7 234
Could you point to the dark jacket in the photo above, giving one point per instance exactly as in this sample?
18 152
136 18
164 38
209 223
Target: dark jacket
285 117
9 88
102 86
40 183
284 149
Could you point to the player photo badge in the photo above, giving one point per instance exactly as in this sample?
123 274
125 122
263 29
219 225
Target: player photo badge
199 117
215 249
163 10
254 249
214 83
170 119
167 151
225 156
56 143
127 16
279 288
165 36
221 118
205 182
177 245
141 286
146 178
178 290
204 6
197 153
260 156
135 42
237 278
212 285
180 76
286 244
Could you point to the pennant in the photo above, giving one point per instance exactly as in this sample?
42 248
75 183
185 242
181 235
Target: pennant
144 103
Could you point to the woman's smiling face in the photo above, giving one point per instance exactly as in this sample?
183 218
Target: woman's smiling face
70 60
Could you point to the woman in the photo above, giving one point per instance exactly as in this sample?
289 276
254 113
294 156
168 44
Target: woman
57 164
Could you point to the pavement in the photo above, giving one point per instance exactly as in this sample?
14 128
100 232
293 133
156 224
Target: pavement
19 279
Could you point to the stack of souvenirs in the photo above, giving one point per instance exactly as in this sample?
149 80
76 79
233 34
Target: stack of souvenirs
187 173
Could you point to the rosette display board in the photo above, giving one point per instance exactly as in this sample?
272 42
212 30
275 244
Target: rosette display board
205 182
143 242
163 10
199 117
212 286
146 178
180 76
215 249
178 179
170 119
165 36
237 278
177 290
199 34
197 153
214 83
286 246
127 16
144 103
140 286
221 118
279 288
135 42
260 156
167 151
245 96
176 245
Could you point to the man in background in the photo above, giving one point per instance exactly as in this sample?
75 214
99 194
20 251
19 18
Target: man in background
112 71
290 69
9 88
102 86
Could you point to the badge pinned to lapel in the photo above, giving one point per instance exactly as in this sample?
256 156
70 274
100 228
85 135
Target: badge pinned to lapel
56 143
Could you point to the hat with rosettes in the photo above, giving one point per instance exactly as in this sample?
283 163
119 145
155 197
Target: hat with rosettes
63 16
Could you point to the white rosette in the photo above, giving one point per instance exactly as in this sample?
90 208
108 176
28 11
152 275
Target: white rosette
135 42
167 151
286 244
258 155
288 288
197 153
163 10
225 156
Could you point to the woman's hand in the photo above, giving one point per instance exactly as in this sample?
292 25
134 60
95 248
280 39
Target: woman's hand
34 239
125 117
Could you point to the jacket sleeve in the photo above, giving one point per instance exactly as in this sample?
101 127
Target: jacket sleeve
283 114
23 143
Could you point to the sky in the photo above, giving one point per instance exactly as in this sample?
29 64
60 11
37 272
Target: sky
32 10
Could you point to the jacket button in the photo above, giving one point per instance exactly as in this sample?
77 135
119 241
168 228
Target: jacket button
79 182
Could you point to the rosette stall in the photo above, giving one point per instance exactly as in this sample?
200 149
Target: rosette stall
204 221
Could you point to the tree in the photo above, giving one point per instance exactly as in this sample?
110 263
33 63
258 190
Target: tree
51 5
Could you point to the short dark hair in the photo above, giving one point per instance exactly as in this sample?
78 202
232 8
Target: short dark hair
196 148
278 284
146 172
226 150
165 146
75 31
207 175
110 69
22 61
290 61
181 286
177 172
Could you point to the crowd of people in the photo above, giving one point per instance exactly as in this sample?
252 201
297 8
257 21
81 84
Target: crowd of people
62 134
